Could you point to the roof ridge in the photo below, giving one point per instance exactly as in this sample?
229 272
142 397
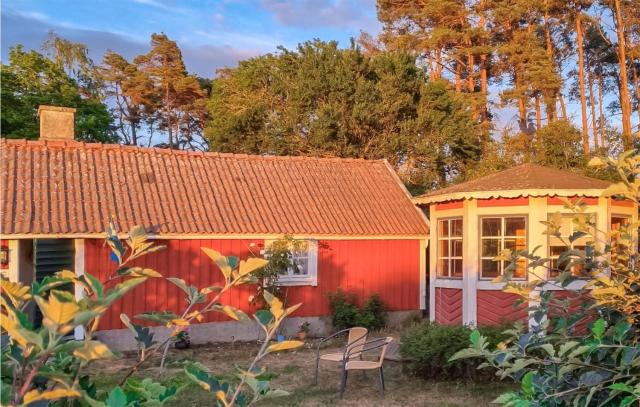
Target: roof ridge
157 150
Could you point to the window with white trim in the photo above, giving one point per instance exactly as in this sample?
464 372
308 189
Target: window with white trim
498 233
449 248
619 223
304 263
563 243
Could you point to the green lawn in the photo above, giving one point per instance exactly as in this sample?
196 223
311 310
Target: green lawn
293 371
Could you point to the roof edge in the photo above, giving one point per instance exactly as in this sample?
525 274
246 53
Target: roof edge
168 151
230 236
516 193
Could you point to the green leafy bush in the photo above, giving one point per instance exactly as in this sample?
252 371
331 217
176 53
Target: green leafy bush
429 346
346 313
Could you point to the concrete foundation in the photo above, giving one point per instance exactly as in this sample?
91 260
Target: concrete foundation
231 331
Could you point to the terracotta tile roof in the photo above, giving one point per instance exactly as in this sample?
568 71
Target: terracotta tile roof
69 187
522 180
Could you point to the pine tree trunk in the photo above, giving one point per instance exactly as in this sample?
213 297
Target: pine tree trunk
522 110
593 109
636 86
583 97
483 76
432 73
550 101
457 78
601 112
538 113
563 107
624 92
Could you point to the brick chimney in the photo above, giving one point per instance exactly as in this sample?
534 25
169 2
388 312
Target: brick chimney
56 122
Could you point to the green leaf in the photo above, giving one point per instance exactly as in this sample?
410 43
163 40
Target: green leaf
621 387
598 329
116 398
181 284
92 350
160 317
475 337
221 261
264 317
527 383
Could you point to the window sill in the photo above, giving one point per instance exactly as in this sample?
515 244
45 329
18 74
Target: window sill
298 282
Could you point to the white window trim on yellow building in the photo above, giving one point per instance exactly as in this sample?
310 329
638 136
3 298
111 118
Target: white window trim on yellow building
536 211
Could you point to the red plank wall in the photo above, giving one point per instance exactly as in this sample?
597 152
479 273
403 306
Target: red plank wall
390 268
448 306
495 307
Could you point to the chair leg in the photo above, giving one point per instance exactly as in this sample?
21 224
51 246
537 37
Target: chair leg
381 381
343 383
315 380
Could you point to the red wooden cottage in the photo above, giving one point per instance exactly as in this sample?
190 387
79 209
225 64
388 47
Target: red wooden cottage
474 221
363 233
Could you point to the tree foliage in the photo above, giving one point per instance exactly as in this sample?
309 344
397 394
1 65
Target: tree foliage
322 100
30 79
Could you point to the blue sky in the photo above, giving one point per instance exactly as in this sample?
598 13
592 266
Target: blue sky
211 33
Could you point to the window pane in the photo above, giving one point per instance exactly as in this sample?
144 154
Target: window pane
566 226
491 226
490 268
300 267
443 250
515 244
456 227
443 267
521 268
443 228
556 244
456 248
515 227
456 268
617 222
490 247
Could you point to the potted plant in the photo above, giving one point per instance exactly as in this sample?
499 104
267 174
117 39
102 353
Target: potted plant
303 331
182 340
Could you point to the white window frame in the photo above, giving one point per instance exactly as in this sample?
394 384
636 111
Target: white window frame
311 278
450 257
571 244
502 263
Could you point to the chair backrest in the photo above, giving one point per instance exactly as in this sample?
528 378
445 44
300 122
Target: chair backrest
356 340
387 341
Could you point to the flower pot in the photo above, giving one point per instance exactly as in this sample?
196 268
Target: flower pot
182 344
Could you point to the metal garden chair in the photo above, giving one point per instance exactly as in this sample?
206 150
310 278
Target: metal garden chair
356 339
349 363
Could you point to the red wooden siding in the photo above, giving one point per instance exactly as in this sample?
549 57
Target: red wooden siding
625 203
575 303
495 307
390 268
443 206
554 200
521 201
448 306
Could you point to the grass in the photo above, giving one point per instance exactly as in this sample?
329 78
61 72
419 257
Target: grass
293 372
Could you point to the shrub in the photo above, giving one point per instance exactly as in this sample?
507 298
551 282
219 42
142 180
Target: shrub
430 345
346 313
